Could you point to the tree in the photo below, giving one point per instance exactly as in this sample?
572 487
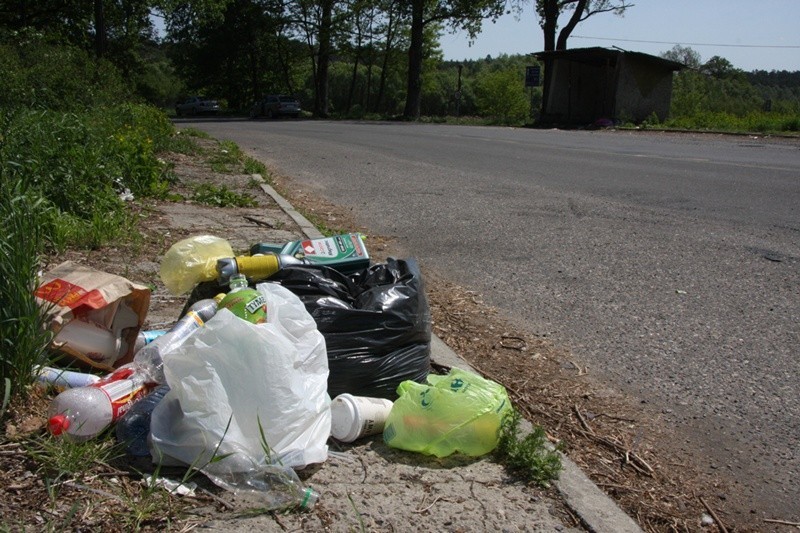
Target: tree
721 68
684 55
457 14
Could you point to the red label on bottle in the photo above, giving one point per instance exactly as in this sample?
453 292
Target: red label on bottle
123 392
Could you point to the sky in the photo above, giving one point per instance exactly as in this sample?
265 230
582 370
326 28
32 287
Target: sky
751 34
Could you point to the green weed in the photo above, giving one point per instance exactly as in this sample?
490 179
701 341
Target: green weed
208 194
253 166
194 132
527 456
61 458
227 159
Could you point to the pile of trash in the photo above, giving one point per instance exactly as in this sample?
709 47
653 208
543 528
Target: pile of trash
275 352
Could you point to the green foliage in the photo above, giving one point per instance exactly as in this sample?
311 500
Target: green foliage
694 92
527 456
253 166
501 94
751 122
81 162
61 176
22 334
227 158
59 458
39 74
156 80
221 197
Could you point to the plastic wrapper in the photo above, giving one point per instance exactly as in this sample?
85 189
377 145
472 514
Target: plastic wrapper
460 412
249 396
191 261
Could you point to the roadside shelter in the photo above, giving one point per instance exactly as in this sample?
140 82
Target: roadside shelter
590 84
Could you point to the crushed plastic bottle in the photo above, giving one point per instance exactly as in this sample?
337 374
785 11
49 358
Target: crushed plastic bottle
134 426
149 361
84 412
277 486
62 378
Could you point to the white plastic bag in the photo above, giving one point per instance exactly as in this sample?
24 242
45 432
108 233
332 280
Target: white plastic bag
231 376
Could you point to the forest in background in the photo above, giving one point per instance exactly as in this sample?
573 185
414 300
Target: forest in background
240 50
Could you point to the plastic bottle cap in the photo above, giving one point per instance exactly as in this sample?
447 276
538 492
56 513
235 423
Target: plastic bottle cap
58 424
310 497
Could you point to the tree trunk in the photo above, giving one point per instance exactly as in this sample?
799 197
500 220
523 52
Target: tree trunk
549 27
386 52
324 60
566 31
356 61
99 28
550 24
414 92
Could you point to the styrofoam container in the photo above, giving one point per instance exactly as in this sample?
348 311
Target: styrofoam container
92 340
353 417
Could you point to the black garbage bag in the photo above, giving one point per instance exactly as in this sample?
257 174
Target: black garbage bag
376 324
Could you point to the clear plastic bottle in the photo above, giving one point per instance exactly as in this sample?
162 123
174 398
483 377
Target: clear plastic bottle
134 426
84 412
62 378
277 486
148 360
146 337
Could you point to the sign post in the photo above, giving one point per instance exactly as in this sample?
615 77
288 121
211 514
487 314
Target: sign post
532 79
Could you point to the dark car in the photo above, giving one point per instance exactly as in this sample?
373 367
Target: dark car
276 105
196 105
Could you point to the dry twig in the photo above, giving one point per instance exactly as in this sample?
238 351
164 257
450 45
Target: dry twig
581 371
522 346
583 420
782 522
713 514
257 222
436 499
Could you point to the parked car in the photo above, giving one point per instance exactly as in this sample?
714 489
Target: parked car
276 105
196 105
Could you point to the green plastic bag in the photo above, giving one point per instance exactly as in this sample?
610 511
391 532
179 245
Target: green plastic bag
458 412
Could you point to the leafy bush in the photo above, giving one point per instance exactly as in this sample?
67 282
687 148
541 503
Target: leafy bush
501 94
81 162
38 74
754 122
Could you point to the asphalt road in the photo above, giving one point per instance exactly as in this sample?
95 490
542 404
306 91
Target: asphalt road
668 264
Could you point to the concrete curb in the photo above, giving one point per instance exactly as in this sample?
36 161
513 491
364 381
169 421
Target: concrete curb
596 510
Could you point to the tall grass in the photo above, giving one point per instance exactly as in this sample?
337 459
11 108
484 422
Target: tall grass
22 334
